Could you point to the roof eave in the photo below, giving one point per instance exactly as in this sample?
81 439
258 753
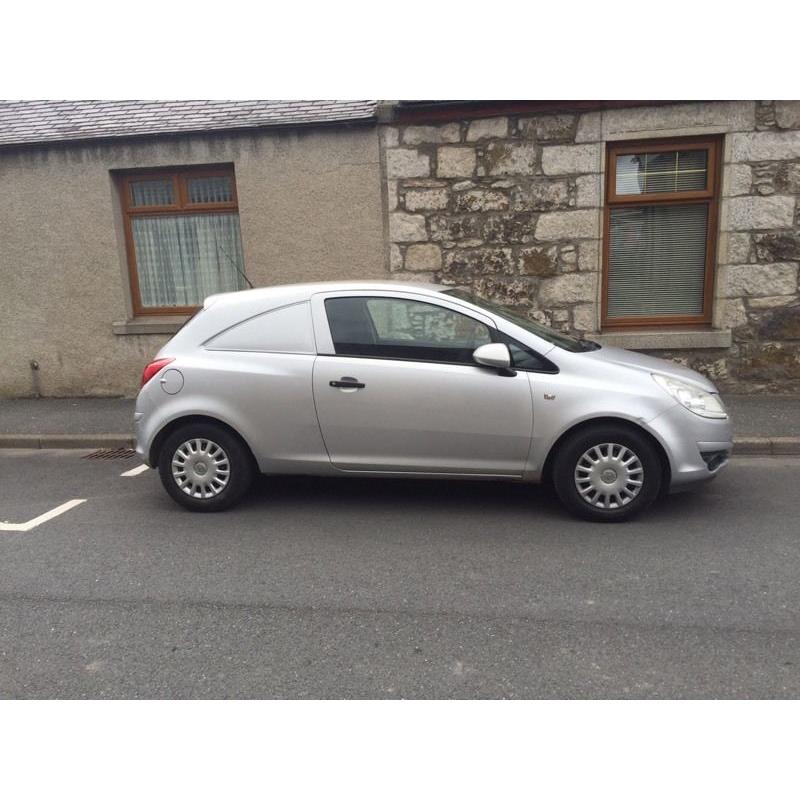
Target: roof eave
167 134
410 111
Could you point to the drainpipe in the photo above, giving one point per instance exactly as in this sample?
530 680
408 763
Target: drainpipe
384 111
36 388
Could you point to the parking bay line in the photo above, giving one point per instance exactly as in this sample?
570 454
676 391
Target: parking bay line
36 521
135 471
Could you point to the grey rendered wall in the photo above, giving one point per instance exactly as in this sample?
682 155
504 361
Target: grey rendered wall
310 209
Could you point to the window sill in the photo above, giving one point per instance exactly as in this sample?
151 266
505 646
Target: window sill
139 326
665 339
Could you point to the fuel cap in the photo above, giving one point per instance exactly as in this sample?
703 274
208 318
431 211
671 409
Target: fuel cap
171 381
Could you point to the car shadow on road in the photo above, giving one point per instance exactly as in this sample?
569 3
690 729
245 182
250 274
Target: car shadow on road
409 493
426 495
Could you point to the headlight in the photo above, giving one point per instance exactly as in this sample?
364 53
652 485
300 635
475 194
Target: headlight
702 403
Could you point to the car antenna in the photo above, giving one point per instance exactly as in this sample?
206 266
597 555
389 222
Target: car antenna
235 265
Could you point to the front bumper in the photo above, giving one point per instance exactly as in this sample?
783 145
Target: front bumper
698 448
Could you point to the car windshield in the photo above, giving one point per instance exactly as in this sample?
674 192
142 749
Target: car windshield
542 331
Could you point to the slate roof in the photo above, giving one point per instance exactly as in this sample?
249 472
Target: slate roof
42 121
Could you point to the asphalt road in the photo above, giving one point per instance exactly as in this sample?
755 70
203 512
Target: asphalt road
356 588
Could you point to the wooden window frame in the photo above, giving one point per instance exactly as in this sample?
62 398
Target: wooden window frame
181 206
709 196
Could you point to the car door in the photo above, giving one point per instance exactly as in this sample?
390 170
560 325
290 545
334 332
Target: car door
396 389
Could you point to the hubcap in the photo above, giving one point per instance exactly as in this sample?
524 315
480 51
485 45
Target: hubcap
609 475
201 468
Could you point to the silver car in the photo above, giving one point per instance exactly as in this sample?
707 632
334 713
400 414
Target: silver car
417 380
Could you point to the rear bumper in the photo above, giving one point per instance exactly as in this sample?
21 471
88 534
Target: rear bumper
141 449
698 449
144 427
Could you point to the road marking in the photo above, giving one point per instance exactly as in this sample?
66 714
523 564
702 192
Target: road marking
36 521
135 471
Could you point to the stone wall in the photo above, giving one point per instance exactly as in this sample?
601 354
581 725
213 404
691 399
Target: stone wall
512 207
758 279
507 206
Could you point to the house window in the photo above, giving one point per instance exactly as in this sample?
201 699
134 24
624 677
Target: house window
182 237
660 225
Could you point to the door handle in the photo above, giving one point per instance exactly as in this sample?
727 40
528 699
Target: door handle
347 383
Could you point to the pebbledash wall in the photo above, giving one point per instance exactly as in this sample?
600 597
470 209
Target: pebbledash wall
309 206
512 206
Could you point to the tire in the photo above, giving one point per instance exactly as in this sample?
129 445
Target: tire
607 473
204 467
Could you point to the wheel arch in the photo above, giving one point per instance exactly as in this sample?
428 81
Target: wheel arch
547 469
172 425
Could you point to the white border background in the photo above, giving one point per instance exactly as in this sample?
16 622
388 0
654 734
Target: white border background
414 50
386 750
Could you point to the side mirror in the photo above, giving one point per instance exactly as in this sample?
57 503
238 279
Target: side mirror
494 355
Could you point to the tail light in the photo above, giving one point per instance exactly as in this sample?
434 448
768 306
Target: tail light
153 367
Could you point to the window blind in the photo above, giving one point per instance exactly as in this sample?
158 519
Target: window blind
656 260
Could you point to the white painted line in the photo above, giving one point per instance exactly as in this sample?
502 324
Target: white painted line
36 521
135 471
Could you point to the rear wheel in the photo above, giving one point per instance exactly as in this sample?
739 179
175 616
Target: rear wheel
204 467
607 473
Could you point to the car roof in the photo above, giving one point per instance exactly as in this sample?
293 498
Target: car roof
221 311
296 292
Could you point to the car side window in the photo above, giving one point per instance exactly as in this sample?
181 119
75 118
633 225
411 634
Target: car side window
387 327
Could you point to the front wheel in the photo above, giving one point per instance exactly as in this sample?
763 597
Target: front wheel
607 473
205 467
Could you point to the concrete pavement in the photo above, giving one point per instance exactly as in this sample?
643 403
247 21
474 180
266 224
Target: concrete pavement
385 588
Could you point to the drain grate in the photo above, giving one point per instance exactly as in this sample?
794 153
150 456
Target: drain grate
112 452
